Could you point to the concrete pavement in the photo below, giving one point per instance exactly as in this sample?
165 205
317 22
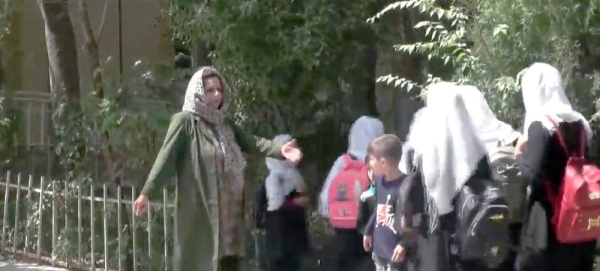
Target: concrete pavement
10 265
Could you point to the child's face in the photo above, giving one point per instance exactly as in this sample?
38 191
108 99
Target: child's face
377 165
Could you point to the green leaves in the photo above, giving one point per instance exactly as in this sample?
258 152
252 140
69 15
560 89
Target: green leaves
500 29
7 9
503 38
282 53
130 122
444 39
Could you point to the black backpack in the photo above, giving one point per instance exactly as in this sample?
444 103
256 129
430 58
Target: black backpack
481 232
506 172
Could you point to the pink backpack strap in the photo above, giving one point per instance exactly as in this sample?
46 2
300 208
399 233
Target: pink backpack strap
351 163
347 160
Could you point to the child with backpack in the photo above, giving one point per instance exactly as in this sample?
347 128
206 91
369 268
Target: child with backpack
340 195
499 139
382 236
283 217
563 224
465 215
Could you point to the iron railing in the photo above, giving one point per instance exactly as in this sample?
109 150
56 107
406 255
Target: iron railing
25 225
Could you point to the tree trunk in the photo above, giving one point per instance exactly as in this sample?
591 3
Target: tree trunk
111 159
12 53
362 82
396 106
62 51
201 49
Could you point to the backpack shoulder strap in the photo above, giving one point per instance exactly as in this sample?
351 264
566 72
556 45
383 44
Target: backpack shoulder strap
350 163
562 142
347 160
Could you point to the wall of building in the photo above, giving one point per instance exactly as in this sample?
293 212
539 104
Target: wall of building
145 39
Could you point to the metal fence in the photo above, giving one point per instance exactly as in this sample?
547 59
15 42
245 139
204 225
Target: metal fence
57 223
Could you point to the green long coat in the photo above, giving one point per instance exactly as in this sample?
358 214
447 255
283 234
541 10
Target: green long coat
190 153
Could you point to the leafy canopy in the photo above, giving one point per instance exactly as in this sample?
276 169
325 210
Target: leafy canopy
488 43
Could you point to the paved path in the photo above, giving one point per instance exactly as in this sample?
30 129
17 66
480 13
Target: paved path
16 266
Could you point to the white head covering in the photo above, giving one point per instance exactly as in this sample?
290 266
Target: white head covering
283 177
452 150
363 131
491 131
543 94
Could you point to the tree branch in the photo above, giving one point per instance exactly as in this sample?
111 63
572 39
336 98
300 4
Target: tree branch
91 46
102 22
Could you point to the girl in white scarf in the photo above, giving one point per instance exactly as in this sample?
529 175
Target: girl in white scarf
452 149
285 222
543 95
446 147
491 131
542 162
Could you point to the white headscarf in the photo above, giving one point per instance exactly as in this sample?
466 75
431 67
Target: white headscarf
283 178
543 95
491 131
362 132
453 149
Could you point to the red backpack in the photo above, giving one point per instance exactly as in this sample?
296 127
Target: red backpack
344 193
576 216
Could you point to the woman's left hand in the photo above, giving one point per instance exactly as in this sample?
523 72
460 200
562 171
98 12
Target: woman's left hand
291 152
520 146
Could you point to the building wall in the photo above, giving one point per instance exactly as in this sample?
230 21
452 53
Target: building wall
145 39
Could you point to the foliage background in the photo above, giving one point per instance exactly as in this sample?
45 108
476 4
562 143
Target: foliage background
307 67
488 43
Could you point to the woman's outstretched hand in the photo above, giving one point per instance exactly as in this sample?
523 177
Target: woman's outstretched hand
140 206
291 151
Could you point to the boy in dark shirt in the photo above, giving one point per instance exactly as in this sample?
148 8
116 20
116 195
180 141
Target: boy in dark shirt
366 208
382 234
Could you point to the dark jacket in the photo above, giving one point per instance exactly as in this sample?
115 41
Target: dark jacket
286 230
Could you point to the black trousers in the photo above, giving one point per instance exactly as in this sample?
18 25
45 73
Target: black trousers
230 263
555 256
349 250
285 263
562 257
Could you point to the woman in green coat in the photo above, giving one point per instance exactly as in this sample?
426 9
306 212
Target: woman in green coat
204 151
